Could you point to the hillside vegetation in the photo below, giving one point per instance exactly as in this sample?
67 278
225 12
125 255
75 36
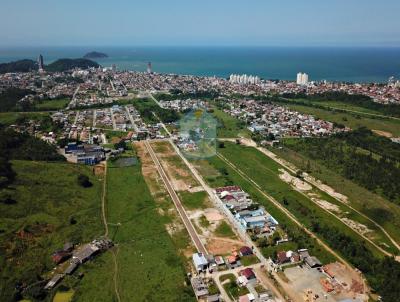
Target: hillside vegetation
18 66
68 64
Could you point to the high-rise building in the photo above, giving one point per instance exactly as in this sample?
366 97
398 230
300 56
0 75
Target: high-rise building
244 79
302 78
40 63
149 67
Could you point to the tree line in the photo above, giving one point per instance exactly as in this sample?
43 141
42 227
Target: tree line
15 145
360 156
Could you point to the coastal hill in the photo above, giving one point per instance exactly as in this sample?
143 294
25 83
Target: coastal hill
67 64
18 66
95 55
57 66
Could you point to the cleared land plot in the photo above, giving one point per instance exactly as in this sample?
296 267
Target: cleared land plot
50 209
149 268
350 120
265 172
178 173
165 206
374 206
216 233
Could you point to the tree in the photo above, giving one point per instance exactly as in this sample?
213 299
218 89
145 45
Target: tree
84 181
221 145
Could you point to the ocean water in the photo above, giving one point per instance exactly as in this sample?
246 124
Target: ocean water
321 63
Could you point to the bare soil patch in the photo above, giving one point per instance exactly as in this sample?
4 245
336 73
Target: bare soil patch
294 181
222 246
383 133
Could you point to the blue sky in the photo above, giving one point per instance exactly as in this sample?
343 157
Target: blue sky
200 22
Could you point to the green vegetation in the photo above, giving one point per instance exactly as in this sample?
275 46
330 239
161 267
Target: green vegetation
227 176
49 105
229 126
249 260
149 268
224 230
146 107
222 278
10 97
19 118
341 153
343 100
372 205
234 290
196 200
18 66
9 102
204 222
351 120
360 253
14 145
95 55
63 296
49 208
68 64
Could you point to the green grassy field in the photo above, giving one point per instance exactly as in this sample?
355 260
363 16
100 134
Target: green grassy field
337 104
224 230
196 200
229 126
149 268
9 118
52 209
265 172
353 121
49 105
376 207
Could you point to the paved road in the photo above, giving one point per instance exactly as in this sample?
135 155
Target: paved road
188 224
131 119
94 117
113 120
239 231
153 98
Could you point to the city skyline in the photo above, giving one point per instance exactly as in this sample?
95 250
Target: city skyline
225 23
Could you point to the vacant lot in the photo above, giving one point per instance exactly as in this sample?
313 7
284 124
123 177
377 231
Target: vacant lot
149 268
229 126
49 208
376 207
266 172
353 121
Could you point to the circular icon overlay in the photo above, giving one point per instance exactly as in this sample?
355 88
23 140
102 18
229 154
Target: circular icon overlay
197 134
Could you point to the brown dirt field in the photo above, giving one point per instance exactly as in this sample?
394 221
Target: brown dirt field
223 246
383 133
178 173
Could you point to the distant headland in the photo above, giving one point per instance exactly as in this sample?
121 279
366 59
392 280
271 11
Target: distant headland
59 65
95 55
